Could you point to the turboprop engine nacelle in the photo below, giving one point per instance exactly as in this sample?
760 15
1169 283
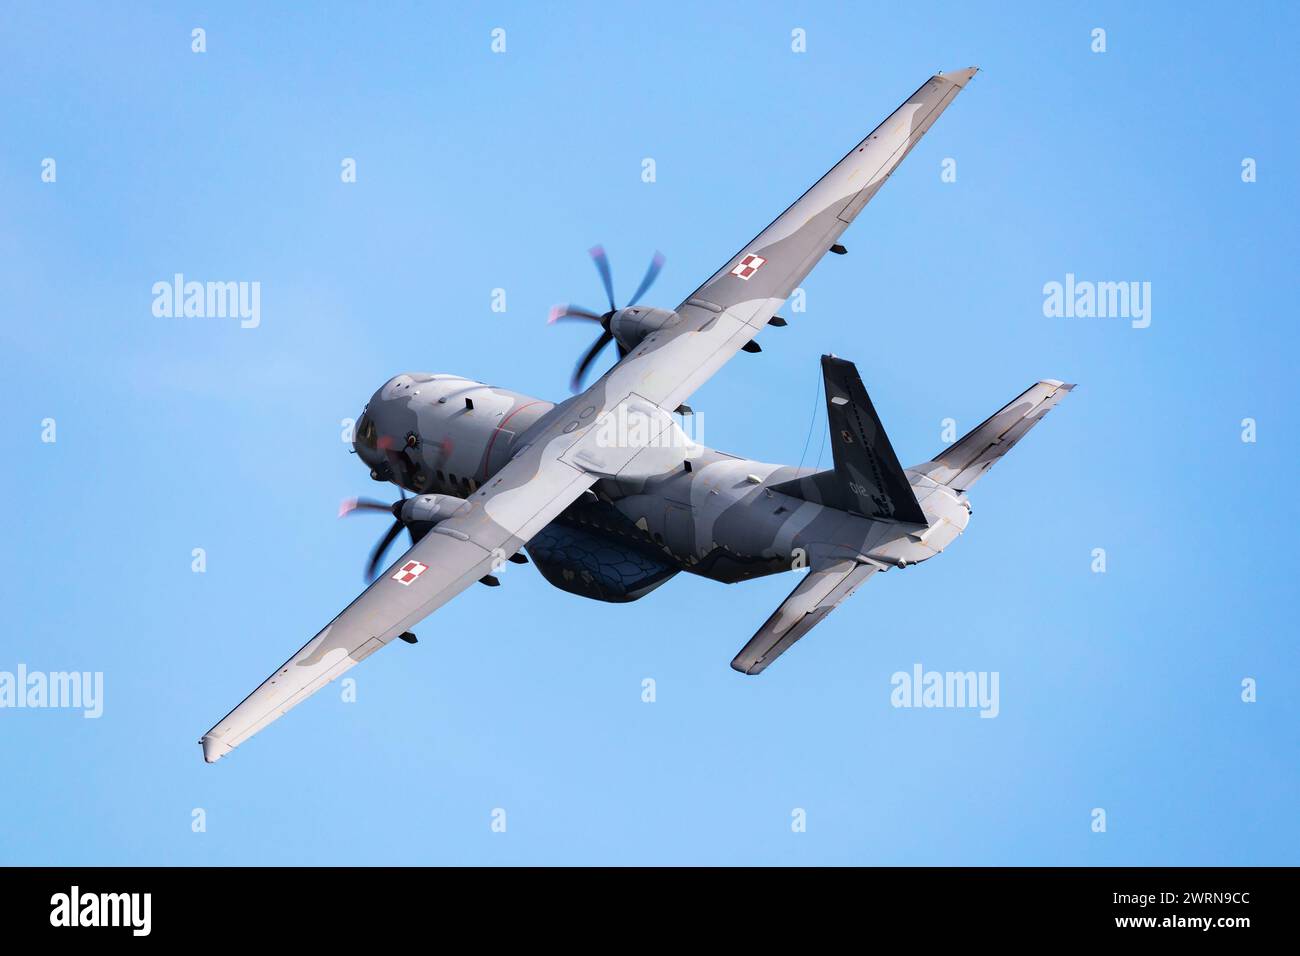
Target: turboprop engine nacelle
429 509
631 325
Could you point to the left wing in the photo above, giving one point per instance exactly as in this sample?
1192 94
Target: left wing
495 522
578 443
725 313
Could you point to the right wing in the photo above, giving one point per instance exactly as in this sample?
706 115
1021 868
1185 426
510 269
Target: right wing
819 593
737 302
775 261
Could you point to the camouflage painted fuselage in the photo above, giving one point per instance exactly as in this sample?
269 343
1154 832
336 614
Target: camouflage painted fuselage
712 514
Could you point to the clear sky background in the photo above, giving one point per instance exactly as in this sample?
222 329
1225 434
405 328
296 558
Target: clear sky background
478 171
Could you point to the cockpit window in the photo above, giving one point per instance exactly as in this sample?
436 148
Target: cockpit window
366 431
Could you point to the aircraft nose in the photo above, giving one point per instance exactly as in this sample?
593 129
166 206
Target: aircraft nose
364 440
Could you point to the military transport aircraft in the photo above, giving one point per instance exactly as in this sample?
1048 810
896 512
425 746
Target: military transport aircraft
609 496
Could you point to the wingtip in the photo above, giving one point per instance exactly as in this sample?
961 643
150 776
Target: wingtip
213 749
961 77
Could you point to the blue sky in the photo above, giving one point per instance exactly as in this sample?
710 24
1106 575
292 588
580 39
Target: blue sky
478 171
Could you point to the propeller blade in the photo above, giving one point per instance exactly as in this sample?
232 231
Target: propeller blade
598 256
580 370
377 555
651 274
349 505
571 312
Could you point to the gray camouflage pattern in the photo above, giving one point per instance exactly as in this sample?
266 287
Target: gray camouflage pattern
498 471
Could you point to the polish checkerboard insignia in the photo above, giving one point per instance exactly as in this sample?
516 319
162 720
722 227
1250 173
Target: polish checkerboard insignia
409 572
747 266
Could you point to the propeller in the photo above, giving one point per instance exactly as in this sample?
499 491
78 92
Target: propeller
350 505
578 313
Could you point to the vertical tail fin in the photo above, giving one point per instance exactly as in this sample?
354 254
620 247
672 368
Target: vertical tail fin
962 464
867 478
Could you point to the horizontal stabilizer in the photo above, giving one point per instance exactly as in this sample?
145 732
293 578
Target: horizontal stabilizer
819 593
962 464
